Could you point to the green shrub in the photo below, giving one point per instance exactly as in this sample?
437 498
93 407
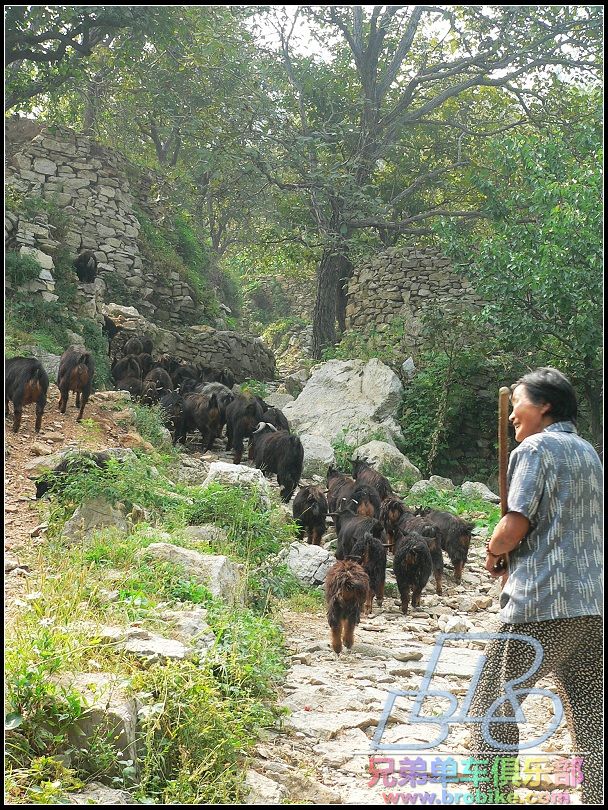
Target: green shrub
179 251
387 343
20 269
35 322
253 534
149 422
254 387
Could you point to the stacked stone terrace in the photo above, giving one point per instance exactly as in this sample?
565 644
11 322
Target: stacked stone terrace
402 283
91 185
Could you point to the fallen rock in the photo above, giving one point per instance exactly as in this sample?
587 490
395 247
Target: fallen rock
155 649
93 515
220 575
387 460
96 793
308 563
262 790
475 489
111 712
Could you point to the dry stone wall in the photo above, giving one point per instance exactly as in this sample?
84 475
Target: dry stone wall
244 355
98 190
403 283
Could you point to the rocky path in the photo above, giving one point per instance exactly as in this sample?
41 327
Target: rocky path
336 702
321 754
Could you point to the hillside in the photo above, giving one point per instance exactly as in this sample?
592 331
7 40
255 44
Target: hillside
299 724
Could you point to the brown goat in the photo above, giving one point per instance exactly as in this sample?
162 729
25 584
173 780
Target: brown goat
364 473
346 589
76 371
391 512
25 382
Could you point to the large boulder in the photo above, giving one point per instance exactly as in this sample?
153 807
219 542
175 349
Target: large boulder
387 460
349 399
475 489
318 455
237 475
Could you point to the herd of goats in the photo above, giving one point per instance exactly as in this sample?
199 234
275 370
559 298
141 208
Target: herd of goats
369 518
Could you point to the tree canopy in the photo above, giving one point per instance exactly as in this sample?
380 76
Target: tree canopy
324 133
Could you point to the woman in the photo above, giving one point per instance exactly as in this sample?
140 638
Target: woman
552 532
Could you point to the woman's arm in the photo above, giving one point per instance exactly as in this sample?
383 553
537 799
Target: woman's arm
508 534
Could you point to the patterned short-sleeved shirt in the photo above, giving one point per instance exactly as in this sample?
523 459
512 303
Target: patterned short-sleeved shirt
555 480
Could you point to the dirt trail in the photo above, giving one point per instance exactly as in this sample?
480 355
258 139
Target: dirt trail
335 703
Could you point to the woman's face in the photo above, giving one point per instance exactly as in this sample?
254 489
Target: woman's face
526 417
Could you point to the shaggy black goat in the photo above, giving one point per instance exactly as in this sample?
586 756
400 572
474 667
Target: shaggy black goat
86 267
455 537
202 412
352 527
310 513
276 451
339 487
412 566
369 552
391 512
277 418
242 417
25 381
364 473
431 535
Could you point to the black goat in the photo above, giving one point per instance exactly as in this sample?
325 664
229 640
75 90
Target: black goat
412 566
25 381
310 513
455 537
369 552
364 473
276 451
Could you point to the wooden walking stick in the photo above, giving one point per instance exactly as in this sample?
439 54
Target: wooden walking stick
502 562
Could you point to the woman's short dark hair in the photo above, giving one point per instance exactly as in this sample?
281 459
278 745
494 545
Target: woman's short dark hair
550 386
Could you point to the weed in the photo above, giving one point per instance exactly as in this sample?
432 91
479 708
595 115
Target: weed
149 422
345 444
20 269
253 535
254 387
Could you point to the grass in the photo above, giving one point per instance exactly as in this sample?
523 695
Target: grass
202 715
306 600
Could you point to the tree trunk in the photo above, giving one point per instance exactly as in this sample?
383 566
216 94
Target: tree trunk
594 401
345 271
95 91
324 316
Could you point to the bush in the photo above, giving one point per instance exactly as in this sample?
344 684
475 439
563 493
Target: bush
20 268
149 422
388 344
253 535
254 387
